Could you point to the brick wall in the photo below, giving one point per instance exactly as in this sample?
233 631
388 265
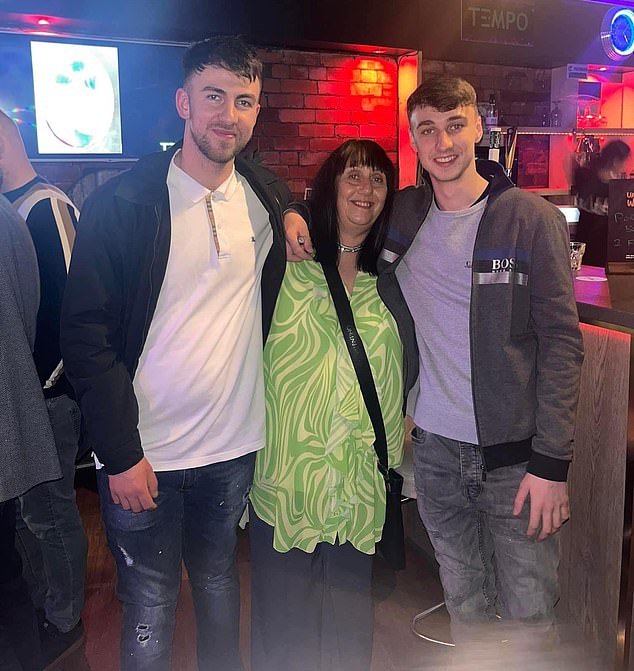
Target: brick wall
522 94
312 102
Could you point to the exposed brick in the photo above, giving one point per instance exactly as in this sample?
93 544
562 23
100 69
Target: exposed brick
372 104
347 130
263 143
270 85
325 143
384 77
370 64
298 71
280 71
316 130
338 61
352 103
389 144
277 129
298 86
291 143
289 158
268 114
269 157
377 130
343 75
366 89
269 56
317 73
281 170
300 58
369 76
313 157
297 186
305 171
322 102
335 88
297 116
376 115
286 100
334 116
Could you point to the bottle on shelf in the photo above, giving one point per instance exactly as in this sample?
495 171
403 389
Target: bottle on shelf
555 115
491 118
545 119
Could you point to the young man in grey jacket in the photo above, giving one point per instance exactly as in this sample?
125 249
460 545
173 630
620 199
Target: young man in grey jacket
484 269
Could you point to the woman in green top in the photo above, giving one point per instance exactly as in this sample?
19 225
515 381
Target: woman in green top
318 499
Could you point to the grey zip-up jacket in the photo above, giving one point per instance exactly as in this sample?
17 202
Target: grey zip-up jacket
526 346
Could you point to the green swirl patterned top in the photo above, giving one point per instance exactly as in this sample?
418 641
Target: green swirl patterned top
317 478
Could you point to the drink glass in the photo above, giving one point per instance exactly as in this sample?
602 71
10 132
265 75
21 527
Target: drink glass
576 255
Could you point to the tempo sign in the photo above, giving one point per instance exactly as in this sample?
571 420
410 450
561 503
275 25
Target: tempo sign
498 22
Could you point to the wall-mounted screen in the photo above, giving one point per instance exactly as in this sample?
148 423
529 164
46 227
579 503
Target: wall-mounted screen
77 105
90 99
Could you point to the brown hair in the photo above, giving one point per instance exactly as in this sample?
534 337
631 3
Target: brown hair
224 51
442 94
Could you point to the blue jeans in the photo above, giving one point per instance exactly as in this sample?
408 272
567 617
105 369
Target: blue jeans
196 521
50 535
488 565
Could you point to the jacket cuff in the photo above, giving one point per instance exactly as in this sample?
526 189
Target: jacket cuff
124 459
547 467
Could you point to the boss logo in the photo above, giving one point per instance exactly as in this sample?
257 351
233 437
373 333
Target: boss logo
503 265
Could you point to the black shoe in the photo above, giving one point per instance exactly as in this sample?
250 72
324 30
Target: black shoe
57 645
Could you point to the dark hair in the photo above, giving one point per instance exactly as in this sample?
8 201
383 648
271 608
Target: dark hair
224 51
442 94
324 229
614 151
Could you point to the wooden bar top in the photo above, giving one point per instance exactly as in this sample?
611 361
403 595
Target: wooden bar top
607 299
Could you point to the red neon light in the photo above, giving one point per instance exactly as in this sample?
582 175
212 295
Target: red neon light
43 21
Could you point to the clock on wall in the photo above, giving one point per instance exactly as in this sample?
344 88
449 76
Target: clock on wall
617 33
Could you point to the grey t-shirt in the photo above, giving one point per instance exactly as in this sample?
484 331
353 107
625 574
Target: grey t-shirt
435 277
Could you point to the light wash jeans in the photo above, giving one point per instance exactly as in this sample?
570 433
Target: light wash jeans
196 520
489 568
49 532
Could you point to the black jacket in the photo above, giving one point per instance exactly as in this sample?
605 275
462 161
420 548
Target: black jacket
118 266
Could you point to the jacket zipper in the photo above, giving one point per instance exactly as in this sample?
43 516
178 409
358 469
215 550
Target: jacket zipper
146 325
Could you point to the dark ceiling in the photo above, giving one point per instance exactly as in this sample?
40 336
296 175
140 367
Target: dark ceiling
564 31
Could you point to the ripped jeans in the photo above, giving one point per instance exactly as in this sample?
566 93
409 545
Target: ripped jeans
196 521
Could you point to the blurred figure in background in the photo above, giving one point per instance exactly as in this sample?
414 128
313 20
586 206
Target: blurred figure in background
27 450
591 186
50 534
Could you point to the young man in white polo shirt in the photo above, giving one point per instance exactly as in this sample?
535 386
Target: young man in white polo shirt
170 294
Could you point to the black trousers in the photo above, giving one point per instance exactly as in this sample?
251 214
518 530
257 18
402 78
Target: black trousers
309 611
19 638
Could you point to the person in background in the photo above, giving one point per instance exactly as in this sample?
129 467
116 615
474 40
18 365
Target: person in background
485 271
591 187
318 498
50 534
28 455
175 273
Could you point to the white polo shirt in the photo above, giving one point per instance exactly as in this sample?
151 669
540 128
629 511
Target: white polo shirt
199 382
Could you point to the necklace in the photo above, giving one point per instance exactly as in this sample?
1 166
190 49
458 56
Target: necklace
346 248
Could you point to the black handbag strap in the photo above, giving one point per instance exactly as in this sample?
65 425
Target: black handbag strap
360 363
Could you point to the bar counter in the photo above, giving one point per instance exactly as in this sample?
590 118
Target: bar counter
597 565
